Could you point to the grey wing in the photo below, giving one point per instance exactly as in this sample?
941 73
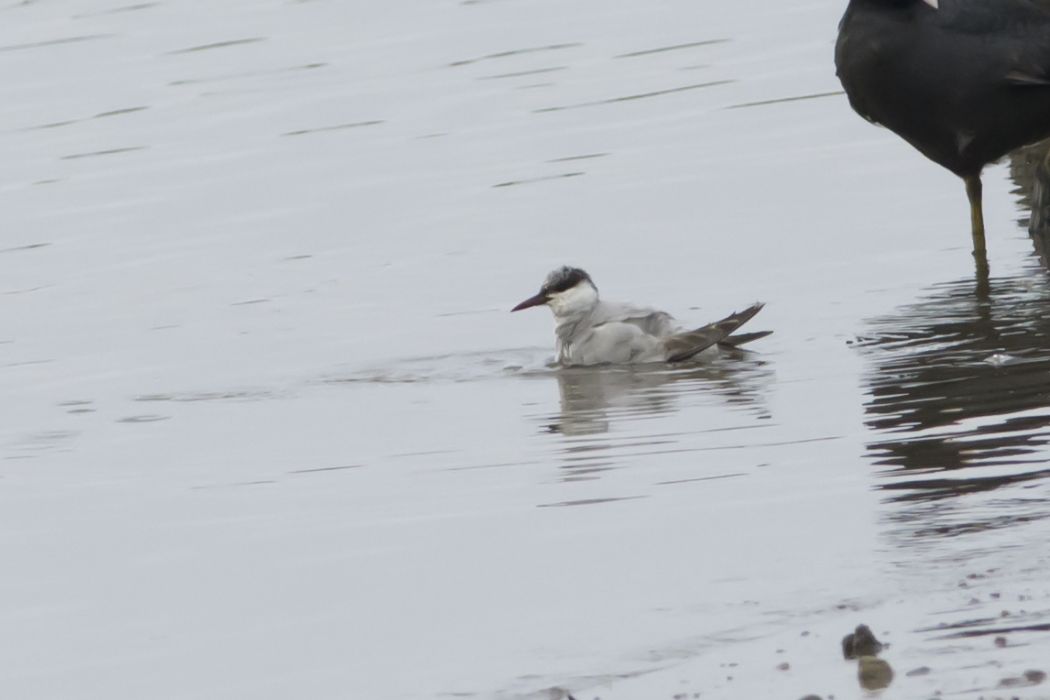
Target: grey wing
682 346
619 342
1028 63
1017 32
1011 37
658 323
1006 17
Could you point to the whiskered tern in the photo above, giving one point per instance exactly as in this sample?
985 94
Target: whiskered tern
592 331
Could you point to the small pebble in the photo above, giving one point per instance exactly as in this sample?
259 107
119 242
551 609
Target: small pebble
861 642
1030 677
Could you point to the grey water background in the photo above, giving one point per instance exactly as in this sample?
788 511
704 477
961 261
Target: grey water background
268 430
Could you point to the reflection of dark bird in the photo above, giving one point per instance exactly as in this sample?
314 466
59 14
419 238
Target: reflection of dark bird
959 402
1030 171
963 81
873 673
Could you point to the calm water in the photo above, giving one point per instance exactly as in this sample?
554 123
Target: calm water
270 432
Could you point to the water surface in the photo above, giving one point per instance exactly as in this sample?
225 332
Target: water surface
270 431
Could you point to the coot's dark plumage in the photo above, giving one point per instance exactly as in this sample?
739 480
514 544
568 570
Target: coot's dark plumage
963 81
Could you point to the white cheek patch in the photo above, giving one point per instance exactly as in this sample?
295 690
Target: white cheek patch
932 3
579 298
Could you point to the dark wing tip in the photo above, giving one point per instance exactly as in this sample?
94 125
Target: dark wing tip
682 346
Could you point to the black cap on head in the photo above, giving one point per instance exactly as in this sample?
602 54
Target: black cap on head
564 278
557 281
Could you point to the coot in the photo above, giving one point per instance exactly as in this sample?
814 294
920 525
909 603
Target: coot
963 81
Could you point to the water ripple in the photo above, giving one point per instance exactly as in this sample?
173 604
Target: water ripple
951 417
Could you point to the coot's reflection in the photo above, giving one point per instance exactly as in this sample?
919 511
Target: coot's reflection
959 381
952 358
1030 171
962 377
959 394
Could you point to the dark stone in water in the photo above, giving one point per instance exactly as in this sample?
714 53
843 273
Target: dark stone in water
1029 678
861 642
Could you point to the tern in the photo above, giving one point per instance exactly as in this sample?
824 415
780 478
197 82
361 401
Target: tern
963 81
592 331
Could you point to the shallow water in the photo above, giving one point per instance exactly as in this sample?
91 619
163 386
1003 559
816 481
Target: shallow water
271 432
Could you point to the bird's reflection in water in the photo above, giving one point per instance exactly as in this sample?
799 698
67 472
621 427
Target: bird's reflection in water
959 389
955 366
1030 171
595 399
959 392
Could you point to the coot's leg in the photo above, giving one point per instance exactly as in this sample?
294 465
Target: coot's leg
973 191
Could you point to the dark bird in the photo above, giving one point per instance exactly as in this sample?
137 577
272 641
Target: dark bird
963 81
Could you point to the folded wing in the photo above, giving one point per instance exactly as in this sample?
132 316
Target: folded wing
682 346
651 321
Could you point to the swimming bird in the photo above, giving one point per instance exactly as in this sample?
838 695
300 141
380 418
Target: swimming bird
592 331
963 81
